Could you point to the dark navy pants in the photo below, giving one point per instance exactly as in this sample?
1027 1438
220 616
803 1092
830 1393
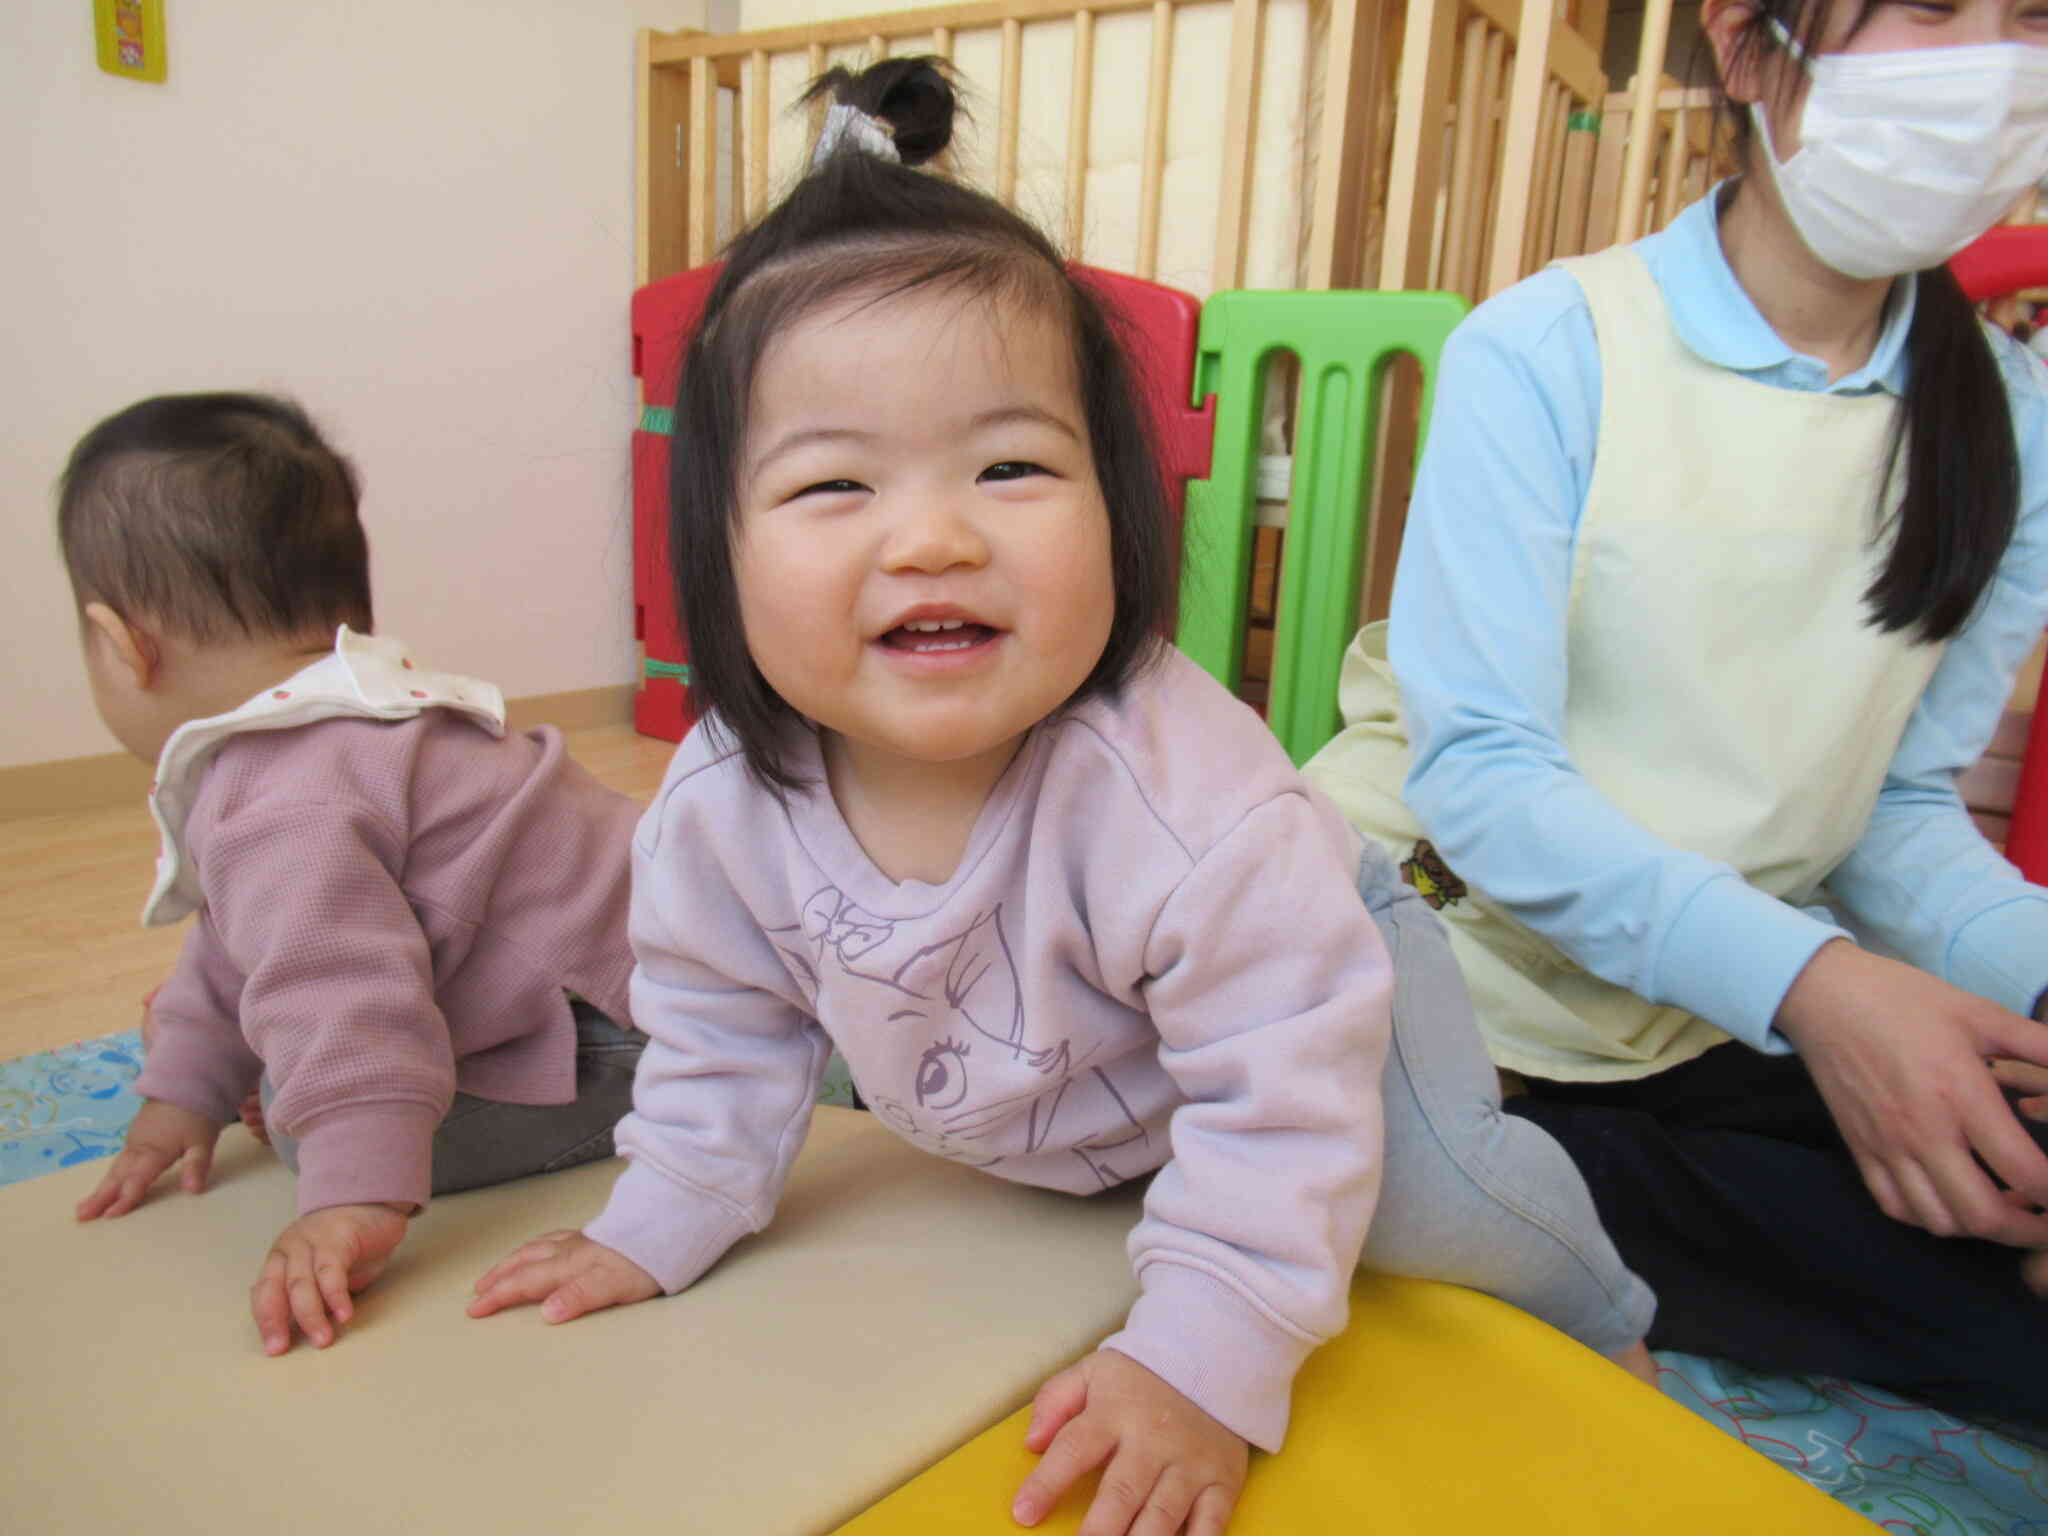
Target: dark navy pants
1726 1186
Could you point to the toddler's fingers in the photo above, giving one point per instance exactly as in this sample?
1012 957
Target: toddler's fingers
547 1246
1213 1506
309 1311
1063 1395
331 1273
2007 1146
2034 1270
268 1305
515 1285
1076 1450
2022 1075
198 1166
306 1309
1136 1495
584 1291
125 1184
111 1192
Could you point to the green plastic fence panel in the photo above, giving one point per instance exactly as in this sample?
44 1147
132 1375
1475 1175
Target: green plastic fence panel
1343 342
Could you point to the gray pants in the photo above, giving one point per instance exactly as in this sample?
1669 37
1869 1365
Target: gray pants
1471 1195
483 1141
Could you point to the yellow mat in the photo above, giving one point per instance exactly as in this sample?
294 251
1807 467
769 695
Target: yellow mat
1440 1412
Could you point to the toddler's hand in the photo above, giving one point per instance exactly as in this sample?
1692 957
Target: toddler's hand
315 1267
568 1274
2028 1081
160 1134
1170 1466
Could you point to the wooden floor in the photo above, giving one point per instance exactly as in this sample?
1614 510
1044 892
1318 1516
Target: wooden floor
75 961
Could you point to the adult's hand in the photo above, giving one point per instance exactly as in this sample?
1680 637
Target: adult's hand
1902 1059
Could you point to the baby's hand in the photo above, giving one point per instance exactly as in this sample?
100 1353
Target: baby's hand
315 1267
2026 1080
1170 1466
568 1274
160 1135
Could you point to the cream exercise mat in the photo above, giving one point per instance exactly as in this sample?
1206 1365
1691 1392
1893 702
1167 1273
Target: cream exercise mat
898 1305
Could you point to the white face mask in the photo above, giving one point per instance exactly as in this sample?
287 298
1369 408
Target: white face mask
1905 158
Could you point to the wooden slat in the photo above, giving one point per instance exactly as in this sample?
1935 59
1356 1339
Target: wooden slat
1158 94
1080 104
1589 20
1493 76
1572 59
878 47
1462 207
942 43
662 190
1603 201
1345 139
675 48
1240 117
1635 172
1671 176
1549 155
757 135
1580 146
700 150
1990 784
1415 175
1520 145
1008 108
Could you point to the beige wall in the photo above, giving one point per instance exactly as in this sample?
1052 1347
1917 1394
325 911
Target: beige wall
418 219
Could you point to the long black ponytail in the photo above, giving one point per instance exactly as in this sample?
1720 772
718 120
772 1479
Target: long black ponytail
1960 503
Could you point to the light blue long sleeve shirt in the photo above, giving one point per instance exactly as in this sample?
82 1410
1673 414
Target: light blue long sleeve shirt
1477 642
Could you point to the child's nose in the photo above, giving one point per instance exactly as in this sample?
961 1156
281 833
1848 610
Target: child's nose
933 533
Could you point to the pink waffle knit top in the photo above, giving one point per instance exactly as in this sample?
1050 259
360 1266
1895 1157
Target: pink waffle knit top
1152 955
392 909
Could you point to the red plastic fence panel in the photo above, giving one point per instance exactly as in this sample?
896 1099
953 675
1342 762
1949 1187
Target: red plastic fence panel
2004 260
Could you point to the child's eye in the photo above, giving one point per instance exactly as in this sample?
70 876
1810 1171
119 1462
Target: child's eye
830 488
1013 469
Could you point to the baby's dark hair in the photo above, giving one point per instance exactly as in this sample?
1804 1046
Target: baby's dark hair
215 516
862 224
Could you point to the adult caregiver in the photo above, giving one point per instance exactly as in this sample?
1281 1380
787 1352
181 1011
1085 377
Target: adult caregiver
1723 554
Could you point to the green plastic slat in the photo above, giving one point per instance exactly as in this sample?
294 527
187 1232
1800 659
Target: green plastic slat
679 670
1343 341
660 419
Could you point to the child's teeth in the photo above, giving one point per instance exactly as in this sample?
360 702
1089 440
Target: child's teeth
932 626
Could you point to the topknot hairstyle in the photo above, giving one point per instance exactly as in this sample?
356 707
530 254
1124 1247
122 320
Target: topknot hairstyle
860 223
215 516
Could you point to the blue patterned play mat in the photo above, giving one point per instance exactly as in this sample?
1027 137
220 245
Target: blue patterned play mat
63 1107
1906 1468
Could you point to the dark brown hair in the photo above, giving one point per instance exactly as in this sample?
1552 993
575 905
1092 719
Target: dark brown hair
215 515
860 224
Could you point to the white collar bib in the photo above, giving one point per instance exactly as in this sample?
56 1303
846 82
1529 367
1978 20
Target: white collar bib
365 676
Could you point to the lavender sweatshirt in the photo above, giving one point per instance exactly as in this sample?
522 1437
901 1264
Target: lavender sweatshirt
391 910
1151 956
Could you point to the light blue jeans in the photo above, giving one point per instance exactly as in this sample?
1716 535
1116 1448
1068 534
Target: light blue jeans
1469 1194
483 1141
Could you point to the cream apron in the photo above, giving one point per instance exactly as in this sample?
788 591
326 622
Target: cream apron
1725 690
